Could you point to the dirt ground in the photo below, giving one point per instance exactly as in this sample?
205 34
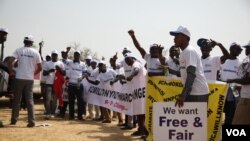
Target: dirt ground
58 129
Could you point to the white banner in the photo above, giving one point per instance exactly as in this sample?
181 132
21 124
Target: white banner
180 124
125 98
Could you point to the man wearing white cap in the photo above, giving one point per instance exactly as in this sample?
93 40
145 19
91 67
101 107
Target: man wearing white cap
154 59
192 75
49 71
29 65
229 71
241 116
77 71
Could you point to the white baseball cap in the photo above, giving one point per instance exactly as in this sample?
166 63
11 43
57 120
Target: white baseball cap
182 30
54 52
29 38
102 62
3 29
88 57
129 55
77 51
247 46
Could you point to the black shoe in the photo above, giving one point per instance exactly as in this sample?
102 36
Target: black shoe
137 133
126 128
13 123
30 125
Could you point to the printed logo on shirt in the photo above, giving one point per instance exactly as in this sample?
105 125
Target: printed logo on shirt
29 56
227 70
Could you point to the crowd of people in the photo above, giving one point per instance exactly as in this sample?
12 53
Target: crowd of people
65 81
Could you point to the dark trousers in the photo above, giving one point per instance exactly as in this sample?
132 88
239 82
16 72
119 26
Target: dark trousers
75 93
141 124
229 109
64 108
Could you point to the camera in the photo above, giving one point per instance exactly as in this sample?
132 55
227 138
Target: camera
202 42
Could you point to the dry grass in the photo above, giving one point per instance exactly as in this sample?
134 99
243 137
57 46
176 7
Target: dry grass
60 129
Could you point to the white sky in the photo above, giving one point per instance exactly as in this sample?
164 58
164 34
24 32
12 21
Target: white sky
102 25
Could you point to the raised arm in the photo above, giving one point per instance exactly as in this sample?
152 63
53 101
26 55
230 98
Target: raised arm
136 43
223 50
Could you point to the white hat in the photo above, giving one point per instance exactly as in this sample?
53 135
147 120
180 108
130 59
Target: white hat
182 30
3 29
47 55
77 51
88 57
29 38
129 55
102 62
60 65
54 52
248 45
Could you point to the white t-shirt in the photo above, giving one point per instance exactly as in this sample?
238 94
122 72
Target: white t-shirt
28 58
210 66
126 67
141 76
153 64
76 70
52 65
106 77
229 69
190 57
66 64
172 65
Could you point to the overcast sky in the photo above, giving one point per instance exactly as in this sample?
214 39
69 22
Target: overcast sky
102 25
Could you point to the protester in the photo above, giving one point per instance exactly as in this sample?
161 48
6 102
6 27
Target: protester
50 69
65 60
242 110
29 65
211 64
77 71
192 76
229 71
138 75
173 61
154 59
106 78
117 87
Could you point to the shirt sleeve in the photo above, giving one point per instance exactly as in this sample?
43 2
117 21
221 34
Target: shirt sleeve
191 58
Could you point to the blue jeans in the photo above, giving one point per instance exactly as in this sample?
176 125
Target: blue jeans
51 100
23 86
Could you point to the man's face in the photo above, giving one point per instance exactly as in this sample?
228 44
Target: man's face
206 51
3 37
102 67
154 52
54 57
64 55
174 52
179 40
76 56
235 50
129 61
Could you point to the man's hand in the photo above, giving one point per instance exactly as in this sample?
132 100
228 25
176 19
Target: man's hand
41 44
68 49
129 78
179 102
131 32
